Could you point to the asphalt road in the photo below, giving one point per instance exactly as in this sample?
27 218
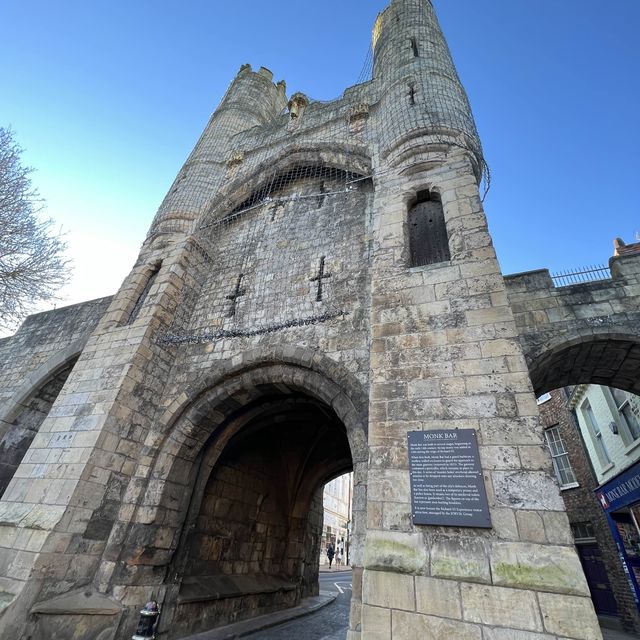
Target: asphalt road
330 623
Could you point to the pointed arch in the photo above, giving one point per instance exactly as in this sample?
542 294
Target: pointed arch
351 160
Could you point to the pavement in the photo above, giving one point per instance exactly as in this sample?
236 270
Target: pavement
248 627
328 623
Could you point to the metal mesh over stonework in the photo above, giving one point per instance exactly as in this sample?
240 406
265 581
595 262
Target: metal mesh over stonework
281 262
424 91
277 191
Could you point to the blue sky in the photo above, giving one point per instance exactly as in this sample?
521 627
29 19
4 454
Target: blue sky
108 98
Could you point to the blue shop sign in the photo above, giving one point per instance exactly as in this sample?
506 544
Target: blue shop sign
622 491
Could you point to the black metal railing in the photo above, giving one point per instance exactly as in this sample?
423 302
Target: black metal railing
577 276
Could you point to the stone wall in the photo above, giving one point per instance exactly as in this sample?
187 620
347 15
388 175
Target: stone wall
581 333
24 427
37 361
35 349
274 292
445 354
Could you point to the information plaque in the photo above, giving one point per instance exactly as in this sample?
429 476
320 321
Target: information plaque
447 487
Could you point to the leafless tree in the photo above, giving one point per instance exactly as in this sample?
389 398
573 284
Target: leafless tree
32 262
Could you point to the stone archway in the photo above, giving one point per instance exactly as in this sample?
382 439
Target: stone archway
233 506
252 535
604 359
26 411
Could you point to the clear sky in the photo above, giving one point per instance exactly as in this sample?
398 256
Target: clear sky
109 97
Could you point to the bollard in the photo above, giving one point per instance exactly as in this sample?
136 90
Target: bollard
148 620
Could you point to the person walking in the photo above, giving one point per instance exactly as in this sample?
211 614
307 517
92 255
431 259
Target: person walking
330 553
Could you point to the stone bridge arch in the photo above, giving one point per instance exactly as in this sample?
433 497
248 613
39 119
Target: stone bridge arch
581 333
206 428
601 357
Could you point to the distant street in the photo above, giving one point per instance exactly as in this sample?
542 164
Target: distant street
330 623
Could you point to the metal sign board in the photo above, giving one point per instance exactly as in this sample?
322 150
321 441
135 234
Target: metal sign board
447 487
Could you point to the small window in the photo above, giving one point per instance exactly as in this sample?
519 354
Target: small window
596 434
543 398
560 458
583 532
626 412
414 47
143 295
428 240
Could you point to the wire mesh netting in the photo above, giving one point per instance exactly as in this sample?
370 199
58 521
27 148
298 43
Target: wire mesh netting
280 258
280 192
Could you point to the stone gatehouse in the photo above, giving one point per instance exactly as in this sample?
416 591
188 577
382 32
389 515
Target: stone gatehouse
318 282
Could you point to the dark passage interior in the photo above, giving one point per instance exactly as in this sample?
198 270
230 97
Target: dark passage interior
254 540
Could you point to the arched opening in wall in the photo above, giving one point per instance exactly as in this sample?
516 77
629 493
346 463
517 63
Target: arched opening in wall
252 537
428 239
590 412
28 418
613 362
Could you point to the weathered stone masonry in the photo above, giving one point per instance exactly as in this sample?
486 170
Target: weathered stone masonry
271 336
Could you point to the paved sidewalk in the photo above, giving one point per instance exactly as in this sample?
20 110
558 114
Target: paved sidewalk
239 629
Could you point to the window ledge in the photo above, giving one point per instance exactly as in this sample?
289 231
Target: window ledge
632 447
607 468
430 265
573 485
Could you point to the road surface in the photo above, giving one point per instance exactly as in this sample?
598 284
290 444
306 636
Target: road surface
330 623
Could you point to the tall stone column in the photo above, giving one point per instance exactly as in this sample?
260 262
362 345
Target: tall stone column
445 355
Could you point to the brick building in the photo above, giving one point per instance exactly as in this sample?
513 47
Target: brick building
610 590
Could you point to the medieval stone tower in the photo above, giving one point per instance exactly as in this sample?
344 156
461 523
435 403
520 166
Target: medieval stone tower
318 282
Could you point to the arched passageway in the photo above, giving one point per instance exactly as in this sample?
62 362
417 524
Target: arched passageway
254 542
592 429
25 420
243 473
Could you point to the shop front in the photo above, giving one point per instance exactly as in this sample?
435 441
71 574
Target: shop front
620 499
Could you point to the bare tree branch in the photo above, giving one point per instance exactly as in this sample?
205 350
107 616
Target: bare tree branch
32 262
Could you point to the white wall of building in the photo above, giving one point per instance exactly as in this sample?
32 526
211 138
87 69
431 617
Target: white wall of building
610 436
337 514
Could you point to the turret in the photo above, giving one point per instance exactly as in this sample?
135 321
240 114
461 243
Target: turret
251 100
422 91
